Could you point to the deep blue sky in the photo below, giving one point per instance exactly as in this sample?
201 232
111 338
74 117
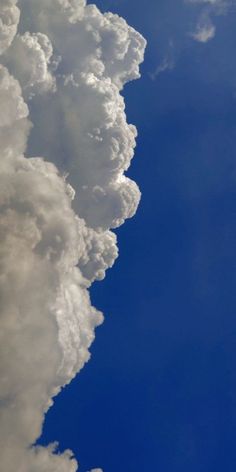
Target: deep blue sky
159 393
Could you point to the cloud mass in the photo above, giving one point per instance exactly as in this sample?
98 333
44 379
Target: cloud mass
63 65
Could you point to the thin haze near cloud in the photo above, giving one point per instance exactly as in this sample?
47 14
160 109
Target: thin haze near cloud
205 29
63 64
199 23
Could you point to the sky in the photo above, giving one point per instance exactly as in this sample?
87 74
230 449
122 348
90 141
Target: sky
159 392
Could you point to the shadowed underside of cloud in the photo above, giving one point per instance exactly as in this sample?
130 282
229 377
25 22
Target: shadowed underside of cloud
63 65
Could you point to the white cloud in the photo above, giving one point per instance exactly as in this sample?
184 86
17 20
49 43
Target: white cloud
96 470
29 59
69 68
44 301
205 30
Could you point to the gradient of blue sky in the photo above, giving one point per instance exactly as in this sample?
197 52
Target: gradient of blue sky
160 390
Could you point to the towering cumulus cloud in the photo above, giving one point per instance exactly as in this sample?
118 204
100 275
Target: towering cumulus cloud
63 64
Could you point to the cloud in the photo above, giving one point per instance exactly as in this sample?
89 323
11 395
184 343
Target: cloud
204 33
9 19
30 57
167 63
96 470
205 28
60 82
182 25
218 5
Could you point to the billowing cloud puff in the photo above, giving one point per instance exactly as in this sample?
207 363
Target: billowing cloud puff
29 59
205 30
91 113
9 19
14 126
102 44
99 253
68 62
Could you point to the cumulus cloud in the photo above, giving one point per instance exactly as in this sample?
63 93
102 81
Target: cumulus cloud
30 60
61 74
9 19
215 3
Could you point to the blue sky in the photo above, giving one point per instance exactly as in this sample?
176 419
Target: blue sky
160 390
